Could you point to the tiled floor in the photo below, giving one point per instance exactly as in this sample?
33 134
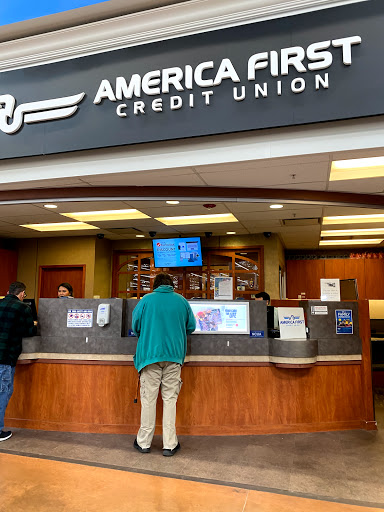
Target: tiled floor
35 485
337 471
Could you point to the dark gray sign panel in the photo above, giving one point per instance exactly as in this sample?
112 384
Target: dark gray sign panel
320 66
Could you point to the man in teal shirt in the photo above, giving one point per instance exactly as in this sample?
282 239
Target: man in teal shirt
161 321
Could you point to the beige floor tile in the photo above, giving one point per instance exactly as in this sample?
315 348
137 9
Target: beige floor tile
268 502
38 485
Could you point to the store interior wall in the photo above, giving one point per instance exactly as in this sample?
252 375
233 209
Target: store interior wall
103 268
55 251
96 254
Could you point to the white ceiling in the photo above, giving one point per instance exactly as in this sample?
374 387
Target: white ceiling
306 172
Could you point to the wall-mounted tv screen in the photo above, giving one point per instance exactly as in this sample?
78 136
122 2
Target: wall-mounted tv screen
218 317
177 252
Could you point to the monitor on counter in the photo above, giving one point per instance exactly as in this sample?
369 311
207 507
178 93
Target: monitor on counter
219 317
31 303
177 252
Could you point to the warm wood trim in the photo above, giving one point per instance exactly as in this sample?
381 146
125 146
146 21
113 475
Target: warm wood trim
366 367
195 430
293 365
206 193
222 364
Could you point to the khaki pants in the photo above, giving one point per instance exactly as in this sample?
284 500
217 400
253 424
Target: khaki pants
152 376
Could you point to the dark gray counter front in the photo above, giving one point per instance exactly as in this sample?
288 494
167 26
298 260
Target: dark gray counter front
116 342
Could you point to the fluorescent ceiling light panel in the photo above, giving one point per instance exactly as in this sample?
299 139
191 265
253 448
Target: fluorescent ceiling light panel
59 226
367 241
130 214
354 219
352 232
198 219
357 168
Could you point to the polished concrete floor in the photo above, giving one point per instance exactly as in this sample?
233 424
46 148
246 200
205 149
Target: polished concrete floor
333 471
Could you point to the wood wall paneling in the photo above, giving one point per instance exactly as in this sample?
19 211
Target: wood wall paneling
374 278
8 274
355 269
304 276
334 268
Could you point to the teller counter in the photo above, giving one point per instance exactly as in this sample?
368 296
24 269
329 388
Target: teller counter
77 376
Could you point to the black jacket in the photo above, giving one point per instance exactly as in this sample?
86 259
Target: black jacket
16 322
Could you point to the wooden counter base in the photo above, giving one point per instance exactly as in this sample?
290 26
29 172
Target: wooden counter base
214 400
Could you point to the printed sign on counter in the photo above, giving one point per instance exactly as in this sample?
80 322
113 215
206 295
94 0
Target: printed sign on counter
80 318
319 310
330 289
292 323
223 288
344 321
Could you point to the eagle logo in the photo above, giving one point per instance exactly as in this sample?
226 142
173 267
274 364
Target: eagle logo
12 119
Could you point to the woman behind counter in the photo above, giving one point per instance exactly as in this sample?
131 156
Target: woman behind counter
65 290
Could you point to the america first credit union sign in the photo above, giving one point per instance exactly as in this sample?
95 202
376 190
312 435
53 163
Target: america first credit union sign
320 66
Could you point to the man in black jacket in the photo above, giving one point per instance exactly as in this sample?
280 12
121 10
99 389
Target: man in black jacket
16 322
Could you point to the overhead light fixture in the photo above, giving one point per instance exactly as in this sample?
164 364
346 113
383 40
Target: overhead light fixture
198 219
231 232
50 206
357 241
357 168
59 226
172 202
140 236
130 214
354 219
276 206
352 232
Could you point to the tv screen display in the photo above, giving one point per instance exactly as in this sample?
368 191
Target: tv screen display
177 252
218 317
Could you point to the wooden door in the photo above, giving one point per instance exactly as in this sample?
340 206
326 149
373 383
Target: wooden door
51 276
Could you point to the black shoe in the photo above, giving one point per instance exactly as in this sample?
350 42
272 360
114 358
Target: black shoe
5 435
171 453
141 450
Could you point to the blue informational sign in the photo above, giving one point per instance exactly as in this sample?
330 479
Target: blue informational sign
256 334
13 11
177 252
344 321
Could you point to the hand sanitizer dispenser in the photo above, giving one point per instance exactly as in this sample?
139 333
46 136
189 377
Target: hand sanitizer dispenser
103 314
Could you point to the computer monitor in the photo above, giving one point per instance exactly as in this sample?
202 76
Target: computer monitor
31 303
221 317
177 252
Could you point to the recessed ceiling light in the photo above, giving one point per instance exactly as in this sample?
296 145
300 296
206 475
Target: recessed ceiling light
354 219
130 214
198 219
357 168
352 232
276 206
50 206
140 236
172 202
231 232
366 241
59 226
